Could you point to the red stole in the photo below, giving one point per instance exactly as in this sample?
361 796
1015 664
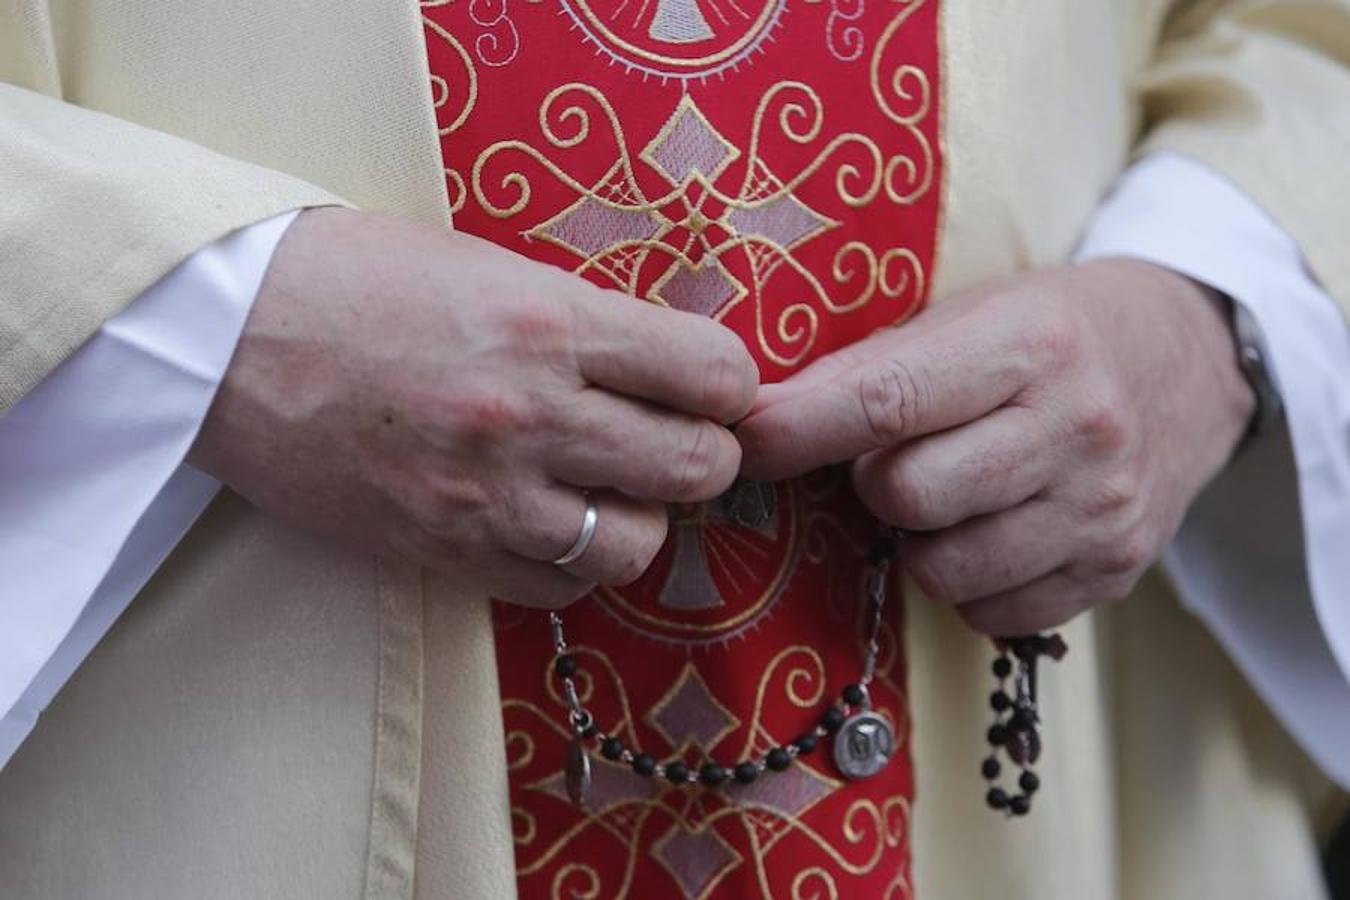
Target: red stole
775 166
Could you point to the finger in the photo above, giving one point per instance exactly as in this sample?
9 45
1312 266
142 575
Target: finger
676 359
986 466
1044 603
827 367
919 386
991 554
628 533
643 451
526 582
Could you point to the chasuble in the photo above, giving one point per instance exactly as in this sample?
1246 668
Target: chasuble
281 718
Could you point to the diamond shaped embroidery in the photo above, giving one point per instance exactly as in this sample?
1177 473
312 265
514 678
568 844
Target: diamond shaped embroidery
694 859
589 227
689 712
784 220
703 290
689 145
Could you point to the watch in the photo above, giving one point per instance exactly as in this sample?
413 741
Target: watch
1251 358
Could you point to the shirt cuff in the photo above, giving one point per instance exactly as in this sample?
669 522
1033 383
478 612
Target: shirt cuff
94 492
1261 556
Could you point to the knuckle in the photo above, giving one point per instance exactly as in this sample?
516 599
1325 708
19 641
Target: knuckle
1116 492
891 398
1127 555
1054 343
729 382
537 326
694 476
1105 427
484 412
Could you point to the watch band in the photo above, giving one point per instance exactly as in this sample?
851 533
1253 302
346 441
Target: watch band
1251 357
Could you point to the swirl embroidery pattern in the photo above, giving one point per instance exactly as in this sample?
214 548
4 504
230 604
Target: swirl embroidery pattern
771 164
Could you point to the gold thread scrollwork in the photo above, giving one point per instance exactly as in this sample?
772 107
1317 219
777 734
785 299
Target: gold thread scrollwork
818 874
908 86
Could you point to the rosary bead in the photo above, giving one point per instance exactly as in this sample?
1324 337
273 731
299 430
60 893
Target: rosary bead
832 719
1028 782
990 768
643 764
997 735
997 798
999 701
746 772
611 748
778 759
677 773
806 743
854 695
1020 804
712 774
1002 667
565 665
591 730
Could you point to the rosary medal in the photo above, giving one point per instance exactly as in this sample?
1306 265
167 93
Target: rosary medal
577 766
864 745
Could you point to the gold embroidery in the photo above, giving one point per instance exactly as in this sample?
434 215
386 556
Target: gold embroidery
639 226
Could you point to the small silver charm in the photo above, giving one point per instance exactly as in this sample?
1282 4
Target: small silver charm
864 745
750 504
578 768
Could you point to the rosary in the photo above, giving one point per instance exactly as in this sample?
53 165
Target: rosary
863 740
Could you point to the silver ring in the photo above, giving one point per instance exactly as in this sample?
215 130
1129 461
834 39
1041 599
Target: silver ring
584 539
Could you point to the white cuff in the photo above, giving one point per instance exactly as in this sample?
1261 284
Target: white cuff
93 490
1261 557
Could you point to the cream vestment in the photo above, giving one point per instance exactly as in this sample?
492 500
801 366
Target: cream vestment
275 718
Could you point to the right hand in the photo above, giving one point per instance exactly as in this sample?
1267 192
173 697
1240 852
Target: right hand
411 392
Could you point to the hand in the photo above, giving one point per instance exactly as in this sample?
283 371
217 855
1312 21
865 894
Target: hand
1042 437
411 392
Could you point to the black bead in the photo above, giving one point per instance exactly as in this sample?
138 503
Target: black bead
999 701
997 735
746 772
1020 804
611 748
1002 667
854 695
1029 782
643 764
778 759
678 773
997 798
712 774
990 768
806 743
591 730
832 719
565 665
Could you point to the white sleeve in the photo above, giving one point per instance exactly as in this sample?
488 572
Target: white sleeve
1263 557
94 493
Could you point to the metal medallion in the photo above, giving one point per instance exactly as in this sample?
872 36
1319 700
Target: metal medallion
577 766
750 504
864 745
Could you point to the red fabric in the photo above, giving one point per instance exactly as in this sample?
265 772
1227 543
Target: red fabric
776 167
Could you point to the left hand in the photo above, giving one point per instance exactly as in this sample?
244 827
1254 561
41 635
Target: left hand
1041 437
